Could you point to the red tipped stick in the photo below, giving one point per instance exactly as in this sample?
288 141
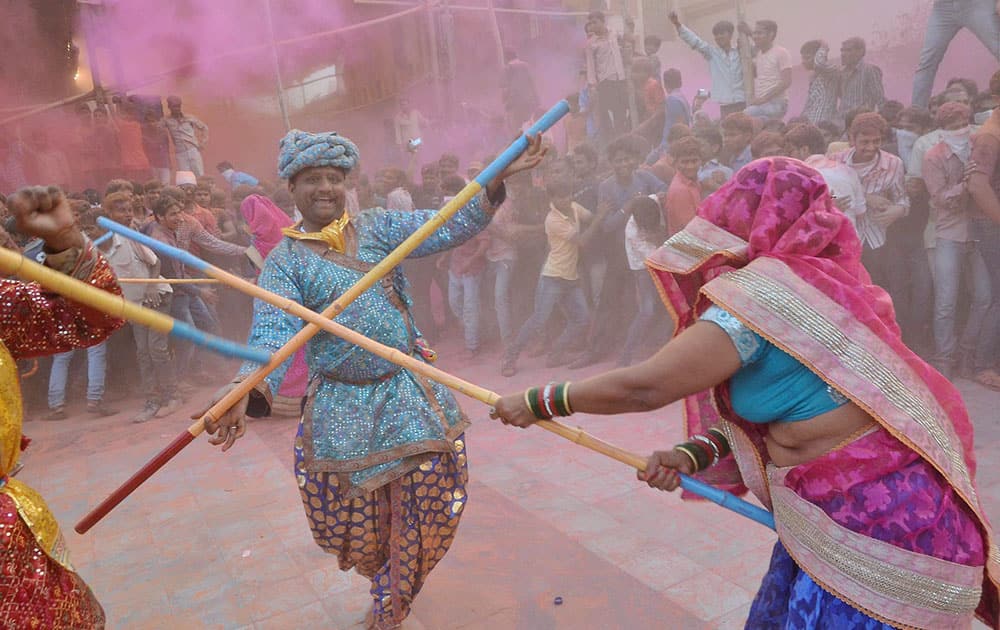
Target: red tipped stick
136 480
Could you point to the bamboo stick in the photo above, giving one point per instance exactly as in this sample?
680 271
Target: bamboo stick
300 338
117 306
167 281
393 355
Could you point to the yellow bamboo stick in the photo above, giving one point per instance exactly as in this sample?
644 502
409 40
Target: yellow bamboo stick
117 306
401 359
167 281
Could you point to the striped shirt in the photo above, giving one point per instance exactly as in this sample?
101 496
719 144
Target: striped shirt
824 86
882 176
861 87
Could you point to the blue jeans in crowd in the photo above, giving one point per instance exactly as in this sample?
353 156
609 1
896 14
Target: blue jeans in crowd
192 310
638 332
776 108
947 18
502 271
156 370
952 260
97 363
463 297
987 234
568 294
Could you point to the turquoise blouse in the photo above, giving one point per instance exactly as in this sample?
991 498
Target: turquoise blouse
772 385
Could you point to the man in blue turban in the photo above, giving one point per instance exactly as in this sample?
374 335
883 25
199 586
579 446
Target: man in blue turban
380 454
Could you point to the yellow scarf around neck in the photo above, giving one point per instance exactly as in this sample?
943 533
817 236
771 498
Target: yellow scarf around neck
332 234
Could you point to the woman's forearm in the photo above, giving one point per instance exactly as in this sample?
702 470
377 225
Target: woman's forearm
618 391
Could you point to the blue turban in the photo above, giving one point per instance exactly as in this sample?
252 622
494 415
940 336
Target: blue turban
300 149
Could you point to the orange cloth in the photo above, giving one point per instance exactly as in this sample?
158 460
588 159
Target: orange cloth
130 140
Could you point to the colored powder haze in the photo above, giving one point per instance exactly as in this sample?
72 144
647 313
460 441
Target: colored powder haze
217 56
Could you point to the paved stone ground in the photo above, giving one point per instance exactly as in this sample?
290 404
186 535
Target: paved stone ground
220 541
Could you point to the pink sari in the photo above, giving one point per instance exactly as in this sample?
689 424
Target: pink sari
266 219
770 248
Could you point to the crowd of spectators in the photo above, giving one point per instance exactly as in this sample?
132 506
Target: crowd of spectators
560 272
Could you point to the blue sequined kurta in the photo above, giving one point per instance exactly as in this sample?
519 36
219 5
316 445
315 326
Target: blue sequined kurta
365 418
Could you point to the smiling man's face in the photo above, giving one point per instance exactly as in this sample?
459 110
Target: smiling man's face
319 194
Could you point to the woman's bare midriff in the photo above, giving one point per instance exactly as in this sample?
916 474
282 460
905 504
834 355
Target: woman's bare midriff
794 443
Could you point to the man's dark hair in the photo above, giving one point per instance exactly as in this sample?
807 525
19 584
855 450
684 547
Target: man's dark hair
672 78
738 121
164 203
830 127
116 185
448 157
856 41
652 40
762 140
629 143
810 48
869 122
596 15
920 117
723 26
509 54
678 131
646 212
890 110
176 193
970 86
152 185
710 135
806 135
224 166
770 26
687 146
995 84
452 184
854 113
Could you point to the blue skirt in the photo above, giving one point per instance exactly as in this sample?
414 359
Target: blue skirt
788 599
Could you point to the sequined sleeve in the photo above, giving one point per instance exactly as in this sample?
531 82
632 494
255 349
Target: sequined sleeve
390 228
34 322
748 344
273 327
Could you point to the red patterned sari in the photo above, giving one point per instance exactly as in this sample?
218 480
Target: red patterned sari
38 586
891 523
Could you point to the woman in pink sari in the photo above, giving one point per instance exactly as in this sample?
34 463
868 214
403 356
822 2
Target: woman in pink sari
788 357
266 222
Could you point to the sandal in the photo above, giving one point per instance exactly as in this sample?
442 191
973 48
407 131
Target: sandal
989 379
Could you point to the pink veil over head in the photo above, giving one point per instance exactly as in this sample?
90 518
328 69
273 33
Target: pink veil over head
265 219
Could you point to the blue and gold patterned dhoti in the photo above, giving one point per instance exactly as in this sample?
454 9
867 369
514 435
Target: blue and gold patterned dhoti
393 536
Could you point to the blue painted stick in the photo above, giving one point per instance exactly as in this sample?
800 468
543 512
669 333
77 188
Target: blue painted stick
727 500
118 306
324 321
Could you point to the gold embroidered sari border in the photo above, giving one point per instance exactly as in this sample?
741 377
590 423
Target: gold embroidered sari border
907 588
858 355
697 242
